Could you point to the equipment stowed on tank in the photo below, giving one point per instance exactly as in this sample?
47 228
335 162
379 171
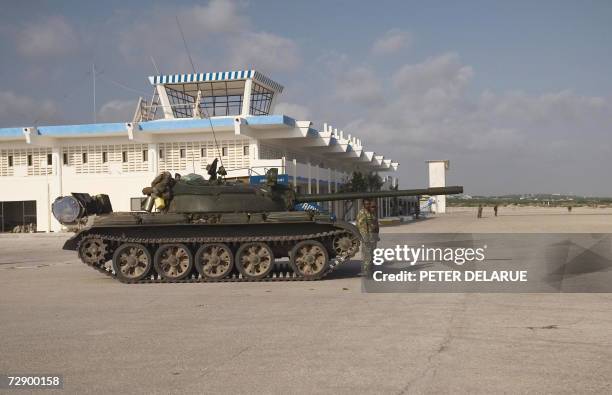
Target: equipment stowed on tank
214 230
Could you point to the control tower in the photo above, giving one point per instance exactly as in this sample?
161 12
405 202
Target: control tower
229 93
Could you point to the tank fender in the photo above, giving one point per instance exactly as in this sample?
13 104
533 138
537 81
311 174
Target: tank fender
73 242
349 227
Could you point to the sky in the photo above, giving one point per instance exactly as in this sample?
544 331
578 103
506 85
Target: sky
517 95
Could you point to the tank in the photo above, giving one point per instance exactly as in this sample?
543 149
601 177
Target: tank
214 230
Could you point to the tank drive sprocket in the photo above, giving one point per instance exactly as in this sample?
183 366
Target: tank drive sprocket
93 250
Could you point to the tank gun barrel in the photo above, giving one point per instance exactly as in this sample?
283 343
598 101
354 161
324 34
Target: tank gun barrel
326 197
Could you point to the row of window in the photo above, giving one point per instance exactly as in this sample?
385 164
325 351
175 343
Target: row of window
85 157
88 159
124 156
224 152
37 160
29 160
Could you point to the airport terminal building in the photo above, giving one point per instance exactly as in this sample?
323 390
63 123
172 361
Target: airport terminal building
190 120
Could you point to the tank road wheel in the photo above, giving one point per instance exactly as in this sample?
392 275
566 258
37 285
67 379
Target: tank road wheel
132 262
309 259
93 251
254 260
173 261
344 242
214 261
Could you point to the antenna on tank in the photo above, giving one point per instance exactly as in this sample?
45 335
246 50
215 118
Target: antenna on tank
178 23
93 76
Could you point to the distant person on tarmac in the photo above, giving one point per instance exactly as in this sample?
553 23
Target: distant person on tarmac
569 209
495 210
479 211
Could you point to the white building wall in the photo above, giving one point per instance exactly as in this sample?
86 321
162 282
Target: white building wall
96 165
437 178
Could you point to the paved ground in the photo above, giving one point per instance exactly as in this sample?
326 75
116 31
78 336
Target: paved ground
58 316
518 220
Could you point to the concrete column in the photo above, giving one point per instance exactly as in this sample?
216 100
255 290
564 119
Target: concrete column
309 177
246 99
295 174
164 101
329 204
55 188
154 158
437 178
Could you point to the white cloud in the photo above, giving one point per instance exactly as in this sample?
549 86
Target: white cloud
219 36
265 51
51 36
360 86
503 142
15 108
204 26
295 111
444 73
392 41
431 105
219 16
117 111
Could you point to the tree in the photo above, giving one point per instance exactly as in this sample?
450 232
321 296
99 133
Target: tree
360 182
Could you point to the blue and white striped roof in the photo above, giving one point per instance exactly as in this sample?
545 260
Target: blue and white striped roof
218 76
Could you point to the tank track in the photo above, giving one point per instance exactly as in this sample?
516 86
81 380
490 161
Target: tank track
283 275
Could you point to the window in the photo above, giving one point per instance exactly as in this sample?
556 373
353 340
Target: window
145 155
202 152
136 203
261 99
224 151
245 150
10 160
29 160
124 157
49 159
218 98
161 154
181 102
104 157
84 155
65 158
182 152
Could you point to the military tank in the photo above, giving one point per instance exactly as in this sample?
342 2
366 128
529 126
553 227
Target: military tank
214 230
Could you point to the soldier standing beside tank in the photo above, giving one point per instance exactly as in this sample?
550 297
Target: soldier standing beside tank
367 223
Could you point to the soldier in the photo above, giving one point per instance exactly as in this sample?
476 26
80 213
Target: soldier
367 223
479 215
495 210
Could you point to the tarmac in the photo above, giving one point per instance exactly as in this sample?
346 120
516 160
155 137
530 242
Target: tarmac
61 317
